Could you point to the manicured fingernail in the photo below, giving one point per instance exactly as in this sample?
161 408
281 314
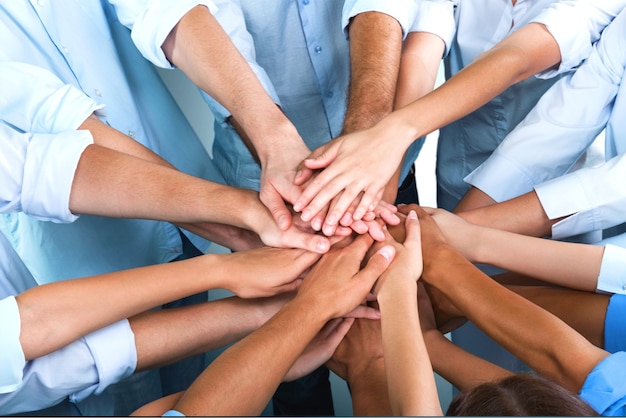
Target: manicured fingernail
387 252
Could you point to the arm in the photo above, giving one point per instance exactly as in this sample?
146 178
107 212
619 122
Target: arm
533 335
193 46
566 264
412 389
264 354
55 314
522 54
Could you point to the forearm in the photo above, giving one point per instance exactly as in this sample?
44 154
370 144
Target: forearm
55 314
526 52
412 388
459 367
368 388
571 265
522 215
249 372
105 184
168 335
203 51
375 45
515 323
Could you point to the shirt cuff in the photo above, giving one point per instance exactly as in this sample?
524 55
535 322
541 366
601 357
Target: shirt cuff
49 171
511 180
614 330
604 387
564 23
13 360
153 24
556 205
404 11
115 356
436 17
612 277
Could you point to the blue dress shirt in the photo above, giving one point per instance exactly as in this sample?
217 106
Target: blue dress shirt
468 142
300 53
83 44
604 388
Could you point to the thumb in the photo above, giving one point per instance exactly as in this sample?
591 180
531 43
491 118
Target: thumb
278 209
321 157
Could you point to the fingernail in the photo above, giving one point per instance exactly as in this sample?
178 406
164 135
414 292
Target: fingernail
282 222
323 246
306 215
387 252
412 215
297 207
332 219
316 224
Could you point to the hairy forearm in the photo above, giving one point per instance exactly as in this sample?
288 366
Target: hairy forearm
203 51
375 45
249 372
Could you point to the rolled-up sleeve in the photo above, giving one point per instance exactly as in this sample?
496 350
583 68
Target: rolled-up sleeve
604 387
35 100
404 11
38 171
436 17
86 366
151 21
591 198
576 25
12 362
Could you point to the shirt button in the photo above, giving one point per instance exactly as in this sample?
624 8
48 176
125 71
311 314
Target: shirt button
98 92
498 116
131 134
624 287
318 49
329 94
305 2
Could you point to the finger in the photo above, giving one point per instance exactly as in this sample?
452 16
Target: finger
338 208
363 311
368 203
359 227
376 265
277 207
303 174
321 157
342 231
288 287
375 229
318 220
312 242
317 193
413 236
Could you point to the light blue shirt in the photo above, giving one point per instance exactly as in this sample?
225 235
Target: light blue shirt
82 43
84 367
300 53
468 142
605 389
563 125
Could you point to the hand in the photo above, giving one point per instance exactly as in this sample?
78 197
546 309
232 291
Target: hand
337 284
407 264
277 186
356 163
265 271
459 233
361 347
320 349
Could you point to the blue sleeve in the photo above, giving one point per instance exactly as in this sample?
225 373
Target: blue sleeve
614 329
173 413
605 388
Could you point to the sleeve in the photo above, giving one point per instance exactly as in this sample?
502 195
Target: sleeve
592 198
13 362
35 100
151 21
436 17
614 330
612 277
604 388
231 18
38 172
576 25
404 11
558 126
88 366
